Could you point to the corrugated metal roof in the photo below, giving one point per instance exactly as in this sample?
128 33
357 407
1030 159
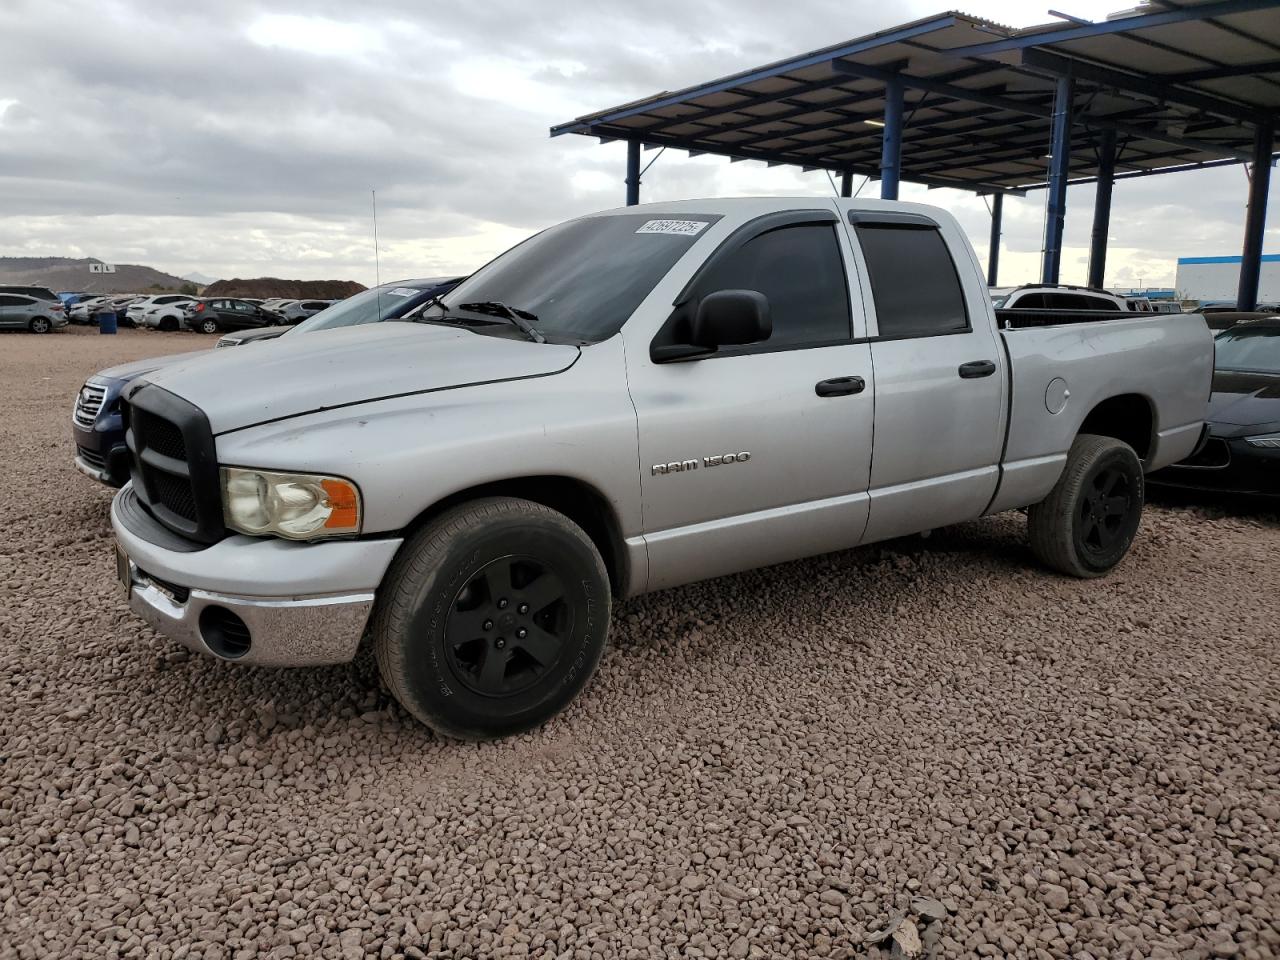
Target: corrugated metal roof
1181 83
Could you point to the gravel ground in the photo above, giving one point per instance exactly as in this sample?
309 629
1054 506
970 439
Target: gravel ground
769 765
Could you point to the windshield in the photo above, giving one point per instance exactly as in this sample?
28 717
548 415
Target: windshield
368 306
582 279
1248 348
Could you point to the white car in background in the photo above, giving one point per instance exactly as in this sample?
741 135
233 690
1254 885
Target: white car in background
135 311
165 316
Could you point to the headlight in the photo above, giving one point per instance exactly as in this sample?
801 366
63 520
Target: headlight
1266 440
297 506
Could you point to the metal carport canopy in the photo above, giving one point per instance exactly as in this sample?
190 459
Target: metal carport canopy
1173 85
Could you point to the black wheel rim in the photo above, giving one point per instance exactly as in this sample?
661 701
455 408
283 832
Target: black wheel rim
1105 509
508 626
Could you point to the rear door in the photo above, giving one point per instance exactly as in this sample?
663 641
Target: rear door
940 384
745 458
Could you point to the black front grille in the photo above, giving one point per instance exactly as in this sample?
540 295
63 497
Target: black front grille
175 493
175 470
165 438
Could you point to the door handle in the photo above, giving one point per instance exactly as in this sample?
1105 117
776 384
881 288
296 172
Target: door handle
840 386
976 368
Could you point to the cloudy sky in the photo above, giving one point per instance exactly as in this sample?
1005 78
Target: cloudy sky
239 138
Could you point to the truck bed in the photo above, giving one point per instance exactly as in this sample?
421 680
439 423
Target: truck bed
1014 319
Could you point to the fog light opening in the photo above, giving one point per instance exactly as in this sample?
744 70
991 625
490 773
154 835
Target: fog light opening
224 633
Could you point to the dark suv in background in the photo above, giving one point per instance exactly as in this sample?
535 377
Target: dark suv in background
226 313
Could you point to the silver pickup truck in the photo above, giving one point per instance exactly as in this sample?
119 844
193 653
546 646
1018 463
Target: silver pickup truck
625 402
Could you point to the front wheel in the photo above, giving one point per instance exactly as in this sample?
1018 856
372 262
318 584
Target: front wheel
492 618
1087 523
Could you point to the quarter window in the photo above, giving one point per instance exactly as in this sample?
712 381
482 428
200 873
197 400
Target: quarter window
800 270
913 281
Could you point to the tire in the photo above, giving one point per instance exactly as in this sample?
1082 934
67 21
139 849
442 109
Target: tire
1087 523
168 325
208 325
40 325
470 661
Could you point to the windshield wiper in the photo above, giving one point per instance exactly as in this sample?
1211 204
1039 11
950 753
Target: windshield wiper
519 318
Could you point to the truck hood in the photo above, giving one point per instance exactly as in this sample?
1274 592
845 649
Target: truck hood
292 376
136 368
1242 398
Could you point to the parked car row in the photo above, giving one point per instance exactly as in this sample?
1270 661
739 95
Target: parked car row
24 308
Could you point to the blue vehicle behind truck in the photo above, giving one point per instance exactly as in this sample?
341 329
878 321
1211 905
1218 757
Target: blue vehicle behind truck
96 425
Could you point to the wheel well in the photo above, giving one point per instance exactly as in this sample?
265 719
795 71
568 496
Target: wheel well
578 501
1127 417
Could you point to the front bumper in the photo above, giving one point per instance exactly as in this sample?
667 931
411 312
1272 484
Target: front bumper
1225 465
259 601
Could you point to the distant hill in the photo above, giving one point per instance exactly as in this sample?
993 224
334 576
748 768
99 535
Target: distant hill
265 287
199 279
65 273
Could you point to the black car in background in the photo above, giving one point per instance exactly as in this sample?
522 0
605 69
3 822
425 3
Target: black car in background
226 313
95 420
1242 451
1226 319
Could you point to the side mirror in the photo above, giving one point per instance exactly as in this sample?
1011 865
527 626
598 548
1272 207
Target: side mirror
730 318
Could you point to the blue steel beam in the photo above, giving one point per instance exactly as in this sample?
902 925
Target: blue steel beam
764 73
1029 109
993 255
633 172
1102 208
891 140
1157 88
1106 27
1059 167
1255 218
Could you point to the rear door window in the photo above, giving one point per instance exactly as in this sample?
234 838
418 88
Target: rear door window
913 281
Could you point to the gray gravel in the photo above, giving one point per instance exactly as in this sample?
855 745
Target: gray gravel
931 741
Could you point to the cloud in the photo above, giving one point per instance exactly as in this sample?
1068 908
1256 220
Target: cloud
237 137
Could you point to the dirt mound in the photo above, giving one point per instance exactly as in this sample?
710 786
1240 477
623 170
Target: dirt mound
265 287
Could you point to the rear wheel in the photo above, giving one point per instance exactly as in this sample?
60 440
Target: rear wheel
492 619
40 325
1087 523
208 325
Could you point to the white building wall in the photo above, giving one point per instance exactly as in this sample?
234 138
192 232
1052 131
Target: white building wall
1219 279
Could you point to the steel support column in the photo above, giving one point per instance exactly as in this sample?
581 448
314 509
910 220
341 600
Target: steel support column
993 255
633 172
846 184
1059 169
891 140
1102 208
1255 219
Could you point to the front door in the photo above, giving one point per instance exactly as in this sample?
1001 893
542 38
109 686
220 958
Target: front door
759 453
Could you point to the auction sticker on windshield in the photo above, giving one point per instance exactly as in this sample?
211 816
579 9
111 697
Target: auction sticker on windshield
403 292
682 228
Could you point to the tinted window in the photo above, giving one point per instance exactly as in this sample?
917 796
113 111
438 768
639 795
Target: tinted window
8 301
1031 301
1248 347
582 279
1067 301
801 272
913 281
